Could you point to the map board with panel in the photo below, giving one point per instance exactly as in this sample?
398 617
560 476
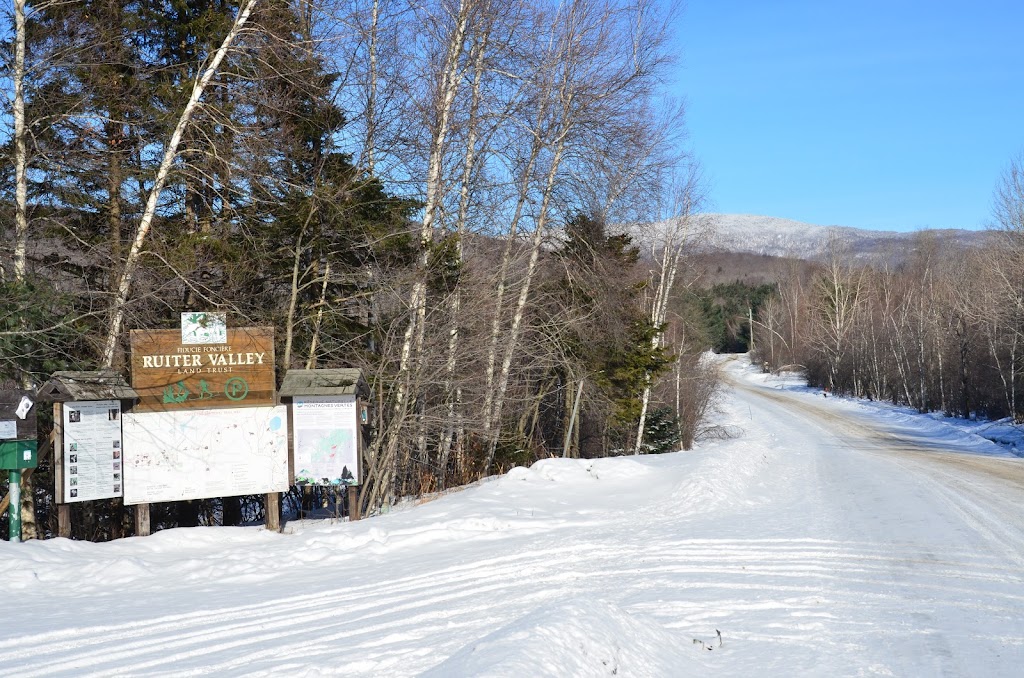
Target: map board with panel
326 434
196 454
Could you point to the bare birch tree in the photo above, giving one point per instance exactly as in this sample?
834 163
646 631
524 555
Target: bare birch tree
838 301
127 277
440 116
667 248
21 224
20 147
478 54
588 83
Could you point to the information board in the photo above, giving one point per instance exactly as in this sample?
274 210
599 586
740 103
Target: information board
196 454
92 453
326 440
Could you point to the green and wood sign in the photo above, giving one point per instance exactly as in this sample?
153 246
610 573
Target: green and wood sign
170 374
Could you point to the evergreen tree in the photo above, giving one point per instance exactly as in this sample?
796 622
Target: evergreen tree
613 342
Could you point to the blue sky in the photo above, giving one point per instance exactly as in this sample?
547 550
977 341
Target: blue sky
890 115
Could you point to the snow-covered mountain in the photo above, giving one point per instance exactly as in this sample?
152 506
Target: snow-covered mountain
787 238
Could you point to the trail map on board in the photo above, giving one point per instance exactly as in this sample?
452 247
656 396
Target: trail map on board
196 454
326 450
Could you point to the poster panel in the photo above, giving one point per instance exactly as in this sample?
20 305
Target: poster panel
197 454
325 430
92 450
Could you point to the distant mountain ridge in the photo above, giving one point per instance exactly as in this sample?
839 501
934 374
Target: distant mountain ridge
779 237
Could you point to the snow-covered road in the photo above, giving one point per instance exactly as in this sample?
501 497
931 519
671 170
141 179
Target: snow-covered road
929 541
824 538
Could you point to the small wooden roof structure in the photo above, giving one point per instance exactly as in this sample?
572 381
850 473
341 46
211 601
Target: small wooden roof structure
324 382
95 385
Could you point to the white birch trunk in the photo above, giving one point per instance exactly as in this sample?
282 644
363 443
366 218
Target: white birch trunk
413 335
679 374
537 144
645 399
311 360
671 253
499 295
567 443
27 502
448 89
524 293
135 253
468 166
293 297
371 92
20 150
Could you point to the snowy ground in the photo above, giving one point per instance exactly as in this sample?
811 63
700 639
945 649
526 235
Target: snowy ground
826 538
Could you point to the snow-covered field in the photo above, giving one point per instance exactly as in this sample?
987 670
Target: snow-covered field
826 537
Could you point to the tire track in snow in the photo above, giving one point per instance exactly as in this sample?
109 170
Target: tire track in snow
411 585
788 572
213 631
112 645
981 505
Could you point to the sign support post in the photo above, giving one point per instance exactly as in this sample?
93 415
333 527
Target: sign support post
63 508
14 508
273 517
142 522
353 502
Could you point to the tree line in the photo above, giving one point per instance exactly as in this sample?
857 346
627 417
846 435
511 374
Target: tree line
939 330
448 194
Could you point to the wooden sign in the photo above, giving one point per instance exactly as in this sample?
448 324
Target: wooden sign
170 375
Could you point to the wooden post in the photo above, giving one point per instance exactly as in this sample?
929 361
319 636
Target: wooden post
64 521
63 510
58 452
353 502
142 522
273 520
291 441
355 495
